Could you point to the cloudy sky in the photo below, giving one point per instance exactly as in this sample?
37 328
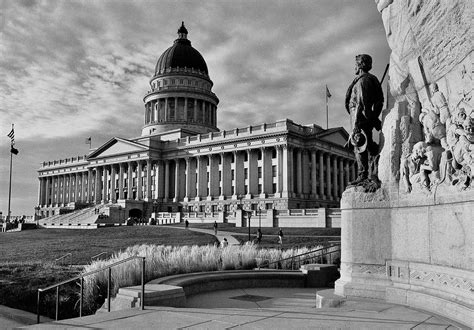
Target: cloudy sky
73 69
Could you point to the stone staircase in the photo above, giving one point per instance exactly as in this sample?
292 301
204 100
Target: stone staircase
80 219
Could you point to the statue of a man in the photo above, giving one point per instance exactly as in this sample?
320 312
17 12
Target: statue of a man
364 101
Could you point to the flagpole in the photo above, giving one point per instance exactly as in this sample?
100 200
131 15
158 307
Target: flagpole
327 116
10 185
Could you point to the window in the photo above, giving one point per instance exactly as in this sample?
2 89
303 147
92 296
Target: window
246 157
246 173
259 188
181 81
274 188
246 189
274 171
232 174
220 175
274 153
259 172
259 155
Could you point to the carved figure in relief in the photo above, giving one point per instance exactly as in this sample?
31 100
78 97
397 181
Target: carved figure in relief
433 128
364 101
419 166
440 106
463 149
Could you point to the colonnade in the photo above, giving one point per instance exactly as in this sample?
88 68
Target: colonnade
180 109
263 172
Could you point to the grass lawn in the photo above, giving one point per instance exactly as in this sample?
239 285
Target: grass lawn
27 258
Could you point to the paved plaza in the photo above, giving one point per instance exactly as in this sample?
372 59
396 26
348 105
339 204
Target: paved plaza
261 308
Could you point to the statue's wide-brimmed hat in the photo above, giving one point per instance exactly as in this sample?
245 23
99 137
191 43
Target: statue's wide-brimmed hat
359 141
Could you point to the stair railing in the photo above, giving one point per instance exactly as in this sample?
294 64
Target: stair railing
310 256
81 279
64 257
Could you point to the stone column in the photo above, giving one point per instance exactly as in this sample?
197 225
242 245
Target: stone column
267 178
105 184
214 176
83 187
322 195
239 180
130 180
305 158
328 177
167 180
253 172
341 177
291 170
113 194
166 110
347 173
195 111
187 174
201 180
160 179
185 109
78 177
314 179
148 180
139 181
89 185
98 184
299 173
334 178
279 173
285 171
177 190
120 184
225 175
40 191
47 193
53 189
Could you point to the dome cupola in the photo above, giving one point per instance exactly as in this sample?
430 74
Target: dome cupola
181 94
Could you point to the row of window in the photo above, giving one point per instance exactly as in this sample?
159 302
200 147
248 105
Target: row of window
180 82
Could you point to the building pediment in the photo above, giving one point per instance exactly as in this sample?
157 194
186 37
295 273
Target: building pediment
336 135
117 146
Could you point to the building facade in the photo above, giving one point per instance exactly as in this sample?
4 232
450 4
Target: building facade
183 163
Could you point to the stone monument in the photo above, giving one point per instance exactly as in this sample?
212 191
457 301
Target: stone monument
410 241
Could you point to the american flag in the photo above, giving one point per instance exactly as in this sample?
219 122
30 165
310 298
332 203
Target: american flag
11 135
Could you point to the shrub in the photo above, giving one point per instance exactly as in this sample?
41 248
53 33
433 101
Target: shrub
161 260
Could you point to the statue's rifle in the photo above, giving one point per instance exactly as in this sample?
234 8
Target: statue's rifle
385 73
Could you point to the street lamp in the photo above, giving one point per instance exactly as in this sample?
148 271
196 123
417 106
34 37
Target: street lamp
249 215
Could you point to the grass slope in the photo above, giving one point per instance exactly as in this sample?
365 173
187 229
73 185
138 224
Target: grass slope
26 261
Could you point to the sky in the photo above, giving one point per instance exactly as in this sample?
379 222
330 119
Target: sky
74 69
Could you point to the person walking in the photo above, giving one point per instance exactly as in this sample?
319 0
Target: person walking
259 236
215 228
224 243
280 237
186 224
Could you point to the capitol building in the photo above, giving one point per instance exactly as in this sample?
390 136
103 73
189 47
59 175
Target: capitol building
184 163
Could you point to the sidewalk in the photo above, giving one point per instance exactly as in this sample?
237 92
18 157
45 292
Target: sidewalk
262 308
220 234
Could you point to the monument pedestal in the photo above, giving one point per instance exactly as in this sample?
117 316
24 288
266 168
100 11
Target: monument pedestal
411 249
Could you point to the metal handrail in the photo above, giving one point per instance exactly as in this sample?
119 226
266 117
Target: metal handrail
81 278
292 258
98 255
64 256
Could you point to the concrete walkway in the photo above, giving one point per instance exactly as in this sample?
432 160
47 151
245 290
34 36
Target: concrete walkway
220 234
261 308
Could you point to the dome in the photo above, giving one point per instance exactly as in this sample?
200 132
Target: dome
181 55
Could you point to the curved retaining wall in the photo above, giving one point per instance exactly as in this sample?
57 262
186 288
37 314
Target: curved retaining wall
196 283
